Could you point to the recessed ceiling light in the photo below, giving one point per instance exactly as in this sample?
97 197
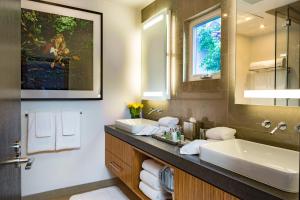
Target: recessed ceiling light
262 26
225 15
248 18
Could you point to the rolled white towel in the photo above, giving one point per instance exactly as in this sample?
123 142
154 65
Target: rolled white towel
220 133
193 147
153 194
152 167
150 180
168 121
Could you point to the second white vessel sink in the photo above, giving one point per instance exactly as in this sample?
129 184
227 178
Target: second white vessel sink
134 125
270 165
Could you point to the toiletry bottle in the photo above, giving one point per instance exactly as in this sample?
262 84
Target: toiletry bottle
174 135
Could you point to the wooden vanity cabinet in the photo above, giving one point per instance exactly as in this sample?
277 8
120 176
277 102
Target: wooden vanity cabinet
125 162
118 158
187 187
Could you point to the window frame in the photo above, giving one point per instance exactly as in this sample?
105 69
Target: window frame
194 22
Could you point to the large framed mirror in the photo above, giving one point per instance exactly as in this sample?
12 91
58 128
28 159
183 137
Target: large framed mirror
156 57
267 52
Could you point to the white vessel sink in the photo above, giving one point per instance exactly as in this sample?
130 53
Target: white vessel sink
134 125
276 167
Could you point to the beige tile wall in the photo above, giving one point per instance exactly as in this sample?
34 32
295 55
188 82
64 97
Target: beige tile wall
213 101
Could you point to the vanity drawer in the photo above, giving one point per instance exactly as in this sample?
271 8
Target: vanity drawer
119 168
120 149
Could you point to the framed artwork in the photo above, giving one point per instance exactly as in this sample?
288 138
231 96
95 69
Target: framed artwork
62 52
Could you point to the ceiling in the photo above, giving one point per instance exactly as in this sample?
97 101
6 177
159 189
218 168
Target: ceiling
135 3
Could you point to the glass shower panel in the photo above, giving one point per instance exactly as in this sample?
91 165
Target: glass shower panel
293 52
287 52
281 41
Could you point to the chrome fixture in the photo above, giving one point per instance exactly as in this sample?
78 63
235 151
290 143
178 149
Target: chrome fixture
17 160
281 126
152 110
266 123
297 128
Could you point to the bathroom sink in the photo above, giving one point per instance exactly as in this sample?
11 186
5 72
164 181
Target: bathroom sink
276 167
134 125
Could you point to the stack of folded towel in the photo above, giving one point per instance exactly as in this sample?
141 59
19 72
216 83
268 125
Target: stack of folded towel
212 135
150 184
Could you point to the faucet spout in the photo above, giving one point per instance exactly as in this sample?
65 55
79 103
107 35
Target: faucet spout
274 130
281 126
152 110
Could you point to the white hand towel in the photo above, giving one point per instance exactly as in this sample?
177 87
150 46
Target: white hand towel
220 133
152 167
214 140
36 143
70 123
43 126
193 147
153 194
150 180
168 121
148 130
65 141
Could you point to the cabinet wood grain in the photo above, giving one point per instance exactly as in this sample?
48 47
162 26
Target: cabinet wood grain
120 149
192 188
119 168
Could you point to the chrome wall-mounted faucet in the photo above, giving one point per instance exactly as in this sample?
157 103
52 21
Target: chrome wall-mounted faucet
152 110
266 123
281 126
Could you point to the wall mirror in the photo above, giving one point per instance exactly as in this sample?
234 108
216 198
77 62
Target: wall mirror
155 57
267 52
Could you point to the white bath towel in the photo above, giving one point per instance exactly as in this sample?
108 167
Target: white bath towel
65 141
150 180
43 126
39 139
153 194
193 147
267 64
168 121
152 167
148 130
70 123
220 133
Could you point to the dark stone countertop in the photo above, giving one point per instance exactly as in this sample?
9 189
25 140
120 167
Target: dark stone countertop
235 184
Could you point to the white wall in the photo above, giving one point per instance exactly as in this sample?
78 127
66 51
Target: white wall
121 85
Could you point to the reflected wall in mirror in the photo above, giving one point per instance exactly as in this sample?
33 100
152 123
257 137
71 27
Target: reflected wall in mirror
267 50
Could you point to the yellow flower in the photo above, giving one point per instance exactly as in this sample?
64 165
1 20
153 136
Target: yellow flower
135 105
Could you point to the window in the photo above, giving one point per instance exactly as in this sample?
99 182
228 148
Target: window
204 47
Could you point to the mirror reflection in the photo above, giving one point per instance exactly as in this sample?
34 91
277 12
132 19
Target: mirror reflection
267 49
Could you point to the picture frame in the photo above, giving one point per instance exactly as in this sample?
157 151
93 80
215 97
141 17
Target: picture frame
62 52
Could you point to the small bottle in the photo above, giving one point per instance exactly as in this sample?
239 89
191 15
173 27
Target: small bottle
174 136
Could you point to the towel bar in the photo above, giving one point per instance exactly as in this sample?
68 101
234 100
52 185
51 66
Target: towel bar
26 114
